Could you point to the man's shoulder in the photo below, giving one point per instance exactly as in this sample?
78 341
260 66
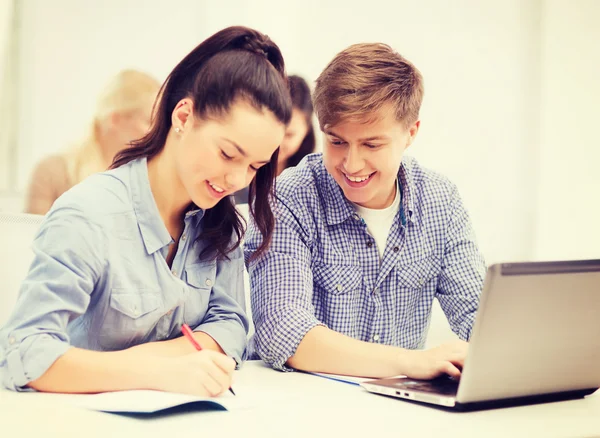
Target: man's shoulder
427 183
303 184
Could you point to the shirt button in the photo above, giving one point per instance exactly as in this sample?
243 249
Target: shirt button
183 237
208 282
421 282
170 312
376 338
174 272
12 340
369 244
396 249
356 217
375 291
339 287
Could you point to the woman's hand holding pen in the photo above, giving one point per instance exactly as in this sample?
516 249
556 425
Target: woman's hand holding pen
202 373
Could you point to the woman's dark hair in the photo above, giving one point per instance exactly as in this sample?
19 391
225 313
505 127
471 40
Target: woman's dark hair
301 99
235 63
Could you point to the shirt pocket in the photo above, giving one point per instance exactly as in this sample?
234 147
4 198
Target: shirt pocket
201 275
416 286
131 316
418 274
200 279
337 279
337 297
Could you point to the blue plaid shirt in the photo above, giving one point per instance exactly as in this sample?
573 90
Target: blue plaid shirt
323 267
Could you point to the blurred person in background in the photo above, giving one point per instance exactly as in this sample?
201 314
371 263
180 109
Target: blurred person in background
299 140
122 114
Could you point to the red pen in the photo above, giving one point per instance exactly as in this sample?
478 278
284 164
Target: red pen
187 332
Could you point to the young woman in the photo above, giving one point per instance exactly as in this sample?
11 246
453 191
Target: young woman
122 114
299 139
128 256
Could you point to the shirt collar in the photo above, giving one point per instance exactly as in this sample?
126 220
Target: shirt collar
154 232
338 209
405 176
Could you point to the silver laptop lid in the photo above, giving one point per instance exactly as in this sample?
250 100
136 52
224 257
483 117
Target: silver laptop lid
537 331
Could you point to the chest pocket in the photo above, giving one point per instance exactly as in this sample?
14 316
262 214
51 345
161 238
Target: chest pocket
130 317
337 280
201 275
337 297
419 273
200 278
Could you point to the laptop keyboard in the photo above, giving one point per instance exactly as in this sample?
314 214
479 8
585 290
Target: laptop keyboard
441 385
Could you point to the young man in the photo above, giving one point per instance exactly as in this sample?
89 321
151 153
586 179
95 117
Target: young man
365 238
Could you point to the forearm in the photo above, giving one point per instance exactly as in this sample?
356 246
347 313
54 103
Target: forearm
178 346
324 350
85 371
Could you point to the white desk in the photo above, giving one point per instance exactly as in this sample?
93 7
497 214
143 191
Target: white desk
297 404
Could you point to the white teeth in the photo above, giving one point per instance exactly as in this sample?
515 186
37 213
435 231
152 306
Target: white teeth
217 188
357 178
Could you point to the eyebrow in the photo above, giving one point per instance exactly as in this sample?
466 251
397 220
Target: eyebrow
375 137
241 151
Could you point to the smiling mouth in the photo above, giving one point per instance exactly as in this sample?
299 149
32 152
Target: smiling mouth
217 191
216 187
360 179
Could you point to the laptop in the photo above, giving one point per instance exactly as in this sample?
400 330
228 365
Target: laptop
536 338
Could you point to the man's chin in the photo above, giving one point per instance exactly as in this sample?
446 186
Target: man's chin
359 200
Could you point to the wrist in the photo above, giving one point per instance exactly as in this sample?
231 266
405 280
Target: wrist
404 359
149 371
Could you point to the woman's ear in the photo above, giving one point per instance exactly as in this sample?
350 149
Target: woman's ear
182 116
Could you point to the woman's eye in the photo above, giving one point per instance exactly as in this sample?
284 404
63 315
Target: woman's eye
371 146
227 157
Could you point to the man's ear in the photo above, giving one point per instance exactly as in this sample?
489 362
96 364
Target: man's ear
182 116
413 130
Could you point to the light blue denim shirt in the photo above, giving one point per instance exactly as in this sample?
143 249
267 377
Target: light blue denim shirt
99 280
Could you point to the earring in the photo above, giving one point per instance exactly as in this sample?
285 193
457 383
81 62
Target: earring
177 130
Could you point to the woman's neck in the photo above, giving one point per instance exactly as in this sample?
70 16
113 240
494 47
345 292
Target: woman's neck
169 193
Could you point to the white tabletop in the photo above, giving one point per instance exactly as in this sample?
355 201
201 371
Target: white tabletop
298 404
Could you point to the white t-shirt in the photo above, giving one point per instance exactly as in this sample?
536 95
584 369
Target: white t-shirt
379 222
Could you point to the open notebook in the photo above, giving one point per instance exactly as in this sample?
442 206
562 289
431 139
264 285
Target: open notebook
144 401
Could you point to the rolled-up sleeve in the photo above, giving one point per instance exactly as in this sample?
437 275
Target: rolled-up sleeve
226 320
281 284
68 253
463 271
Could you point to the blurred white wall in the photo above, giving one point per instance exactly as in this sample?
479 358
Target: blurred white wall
498 117
567 221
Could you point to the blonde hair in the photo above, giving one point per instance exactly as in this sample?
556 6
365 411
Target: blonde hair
362 79
128 91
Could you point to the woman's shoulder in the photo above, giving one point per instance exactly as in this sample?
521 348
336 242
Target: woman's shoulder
101 194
